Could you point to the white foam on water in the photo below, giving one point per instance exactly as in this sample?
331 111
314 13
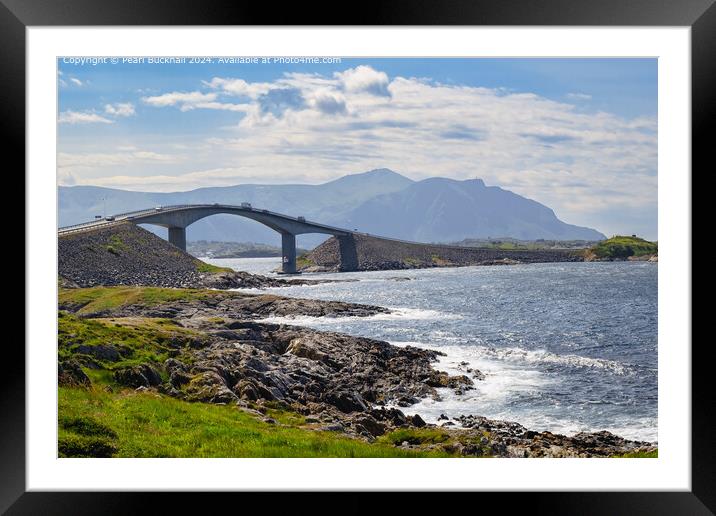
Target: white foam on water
396 314
506 378
501 382
414 314
543 356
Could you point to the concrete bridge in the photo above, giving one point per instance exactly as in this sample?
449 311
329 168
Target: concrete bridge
177 218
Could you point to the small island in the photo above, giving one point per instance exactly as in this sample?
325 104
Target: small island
623 248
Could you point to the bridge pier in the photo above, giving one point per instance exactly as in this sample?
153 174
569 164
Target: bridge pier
288 248
348 252
177 236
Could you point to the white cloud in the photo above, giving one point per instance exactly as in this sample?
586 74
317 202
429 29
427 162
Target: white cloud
104 159
579 96
79 117
327 101
120 109
77 167
364 79
75 81
240 87
311 128
185 100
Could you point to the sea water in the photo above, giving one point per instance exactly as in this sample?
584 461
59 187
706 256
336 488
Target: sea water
564 347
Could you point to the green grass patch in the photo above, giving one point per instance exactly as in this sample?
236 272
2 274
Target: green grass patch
116 245
214 269
96 299
304 261
437 439
121 342
639 455
148 424
82 436
413 262
623 247
439 261
416 436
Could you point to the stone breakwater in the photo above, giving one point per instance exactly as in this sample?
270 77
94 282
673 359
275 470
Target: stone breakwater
338 382
125 254
380 254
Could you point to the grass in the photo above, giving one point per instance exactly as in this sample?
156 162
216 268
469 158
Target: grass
437 439
116 245
439 261
624 247
639 455
214 269
97 299
108 420
137 341
304 261
412 262
416 436
93 422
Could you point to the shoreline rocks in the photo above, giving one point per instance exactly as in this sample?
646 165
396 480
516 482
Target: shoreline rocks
232 305
338 382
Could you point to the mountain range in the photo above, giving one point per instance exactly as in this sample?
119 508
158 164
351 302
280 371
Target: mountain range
380 202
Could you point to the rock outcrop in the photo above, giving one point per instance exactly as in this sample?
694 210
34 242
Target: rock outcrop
509 439
227 305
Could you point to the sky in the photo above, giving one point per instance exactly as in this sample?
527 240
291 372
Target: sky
578 135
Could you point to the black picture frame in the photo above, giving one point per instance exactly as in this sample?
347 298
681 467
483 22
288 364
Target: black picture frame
700 15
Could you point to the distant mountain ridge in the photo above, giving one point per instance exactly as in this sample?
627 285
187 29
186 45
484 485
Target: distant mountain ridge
381 202
445 210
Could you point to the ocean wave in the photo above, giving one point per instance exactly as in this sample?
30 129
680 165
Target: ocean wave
395 314
521 355
543 356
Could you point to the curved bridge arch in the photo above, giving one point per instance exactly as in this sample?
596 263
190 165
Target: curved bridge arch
177 218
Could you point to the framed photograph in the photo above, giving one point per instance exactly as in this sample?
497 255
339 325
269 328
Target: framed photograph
434 249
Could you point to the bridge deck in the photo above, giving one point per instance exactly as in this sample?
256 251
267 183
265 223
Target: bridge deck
137 216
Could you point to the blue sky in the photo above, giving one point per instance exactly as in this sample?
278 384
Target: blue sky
576 134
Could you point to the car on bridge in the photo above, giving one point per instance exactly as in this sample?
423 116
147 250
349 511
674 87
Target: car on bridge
301 218
109 218
246 205
159 208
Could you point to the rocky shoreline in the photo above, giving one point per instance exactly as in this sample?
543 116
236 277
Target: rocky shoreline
191 339
219 353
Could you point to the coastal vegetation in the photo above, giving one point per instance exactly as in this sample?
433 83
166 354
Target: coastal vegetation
304 261
116 343
213 269
97 299
622 247
115 245
103 418
108 421
654 454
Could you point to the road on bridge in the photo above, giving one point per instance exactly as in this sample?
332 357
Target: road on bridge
176 218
